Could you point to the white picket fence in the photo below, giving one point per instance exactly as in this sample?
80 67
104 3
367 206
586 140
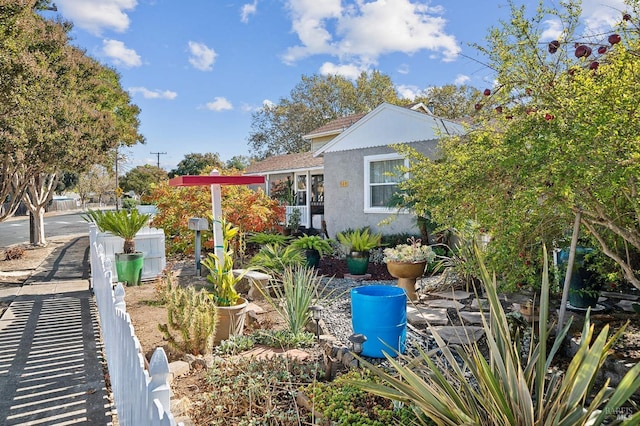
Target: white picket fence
142 398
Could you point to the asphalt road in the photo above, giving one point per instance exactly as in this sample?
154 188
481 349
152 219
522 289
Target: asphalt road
16 230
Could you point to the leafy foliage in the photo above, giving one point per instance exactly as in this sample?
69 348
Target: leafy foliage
197 164
313 242
274 258
341 402
141 178
175 206
553 137
61 109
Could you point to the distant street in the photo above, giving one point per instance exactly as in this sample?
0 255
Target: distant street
16 230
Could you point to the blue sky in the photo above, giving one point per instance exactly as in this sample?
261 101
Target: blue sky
199 68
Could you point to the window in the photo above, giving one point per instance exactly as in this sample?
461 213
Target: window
381 181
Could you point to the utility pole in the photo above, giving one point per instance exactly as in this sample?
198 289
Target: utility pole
158 154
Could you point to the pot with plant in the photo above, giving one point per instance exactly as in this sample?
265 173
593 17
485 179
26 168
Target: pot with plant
357 244
293 222
126 225
314 248
407 263
230 306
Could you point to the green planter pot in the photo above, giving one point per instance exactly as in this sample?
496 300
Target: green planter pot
358 262
583 291
129 267
313 258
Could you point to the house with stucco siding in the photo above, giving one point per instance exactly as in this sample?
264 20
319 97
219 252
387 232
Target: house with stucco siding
348 177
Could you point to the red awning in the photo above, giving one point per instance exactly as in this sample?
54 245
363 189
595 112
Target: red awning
212 180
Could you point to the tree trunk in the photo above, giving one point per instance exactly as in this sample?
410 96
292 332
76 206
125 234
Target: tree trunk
39 192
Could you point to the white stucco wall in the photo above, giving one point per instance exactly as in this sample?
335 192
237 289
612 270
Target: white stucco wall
344 192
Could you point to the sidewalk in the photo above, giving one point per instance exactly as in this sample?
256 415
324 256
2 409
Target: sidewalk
51 364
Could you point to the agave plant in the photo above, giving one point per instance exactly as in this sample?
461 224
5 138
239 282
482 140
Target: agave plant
121 223
507 389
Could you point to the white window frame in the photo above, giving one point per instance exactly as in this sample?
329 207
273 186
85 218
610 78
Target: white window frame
367 181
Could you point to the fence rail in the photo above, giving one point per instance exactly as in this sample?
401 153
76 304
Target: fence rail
142 397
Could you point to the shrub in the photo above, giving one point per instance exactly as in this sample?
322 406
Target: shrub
192 315
342 402
13 253
274 258
250 391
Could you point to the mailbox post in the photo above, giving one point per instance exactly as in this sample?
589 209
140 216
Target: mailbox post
198 224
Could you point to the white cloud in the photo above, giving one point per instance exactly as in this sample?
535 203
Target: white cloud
366 30
461 79
349 71
552 31
120 54
153 94
601 15
219 104
247 10
403 69
408 92
97 15
202 57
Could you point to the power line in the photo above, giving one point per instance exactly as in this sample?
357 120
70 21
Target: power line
158 154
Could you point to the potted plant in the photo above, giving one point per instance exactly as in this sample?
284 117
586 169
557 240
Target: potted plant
230 306
584 287
358 243
314 248
125 225
293 222
407 262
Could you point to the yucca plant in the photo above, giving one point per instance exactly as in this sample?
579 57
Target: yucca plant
294 292
506 389
120 223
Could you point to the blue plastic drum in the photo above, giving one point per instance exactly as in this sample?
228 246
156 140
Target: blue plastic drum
380 313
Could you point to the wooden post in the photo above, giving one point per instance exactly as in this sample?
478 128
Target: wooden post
216 210
567 277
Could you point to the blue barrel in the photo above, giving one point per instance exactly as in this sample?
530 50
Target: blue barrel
380 313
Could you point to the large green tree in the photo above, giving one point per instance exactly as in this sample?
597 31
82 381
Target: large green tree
196 164
141 178
556 136
315 100
451 101
59 108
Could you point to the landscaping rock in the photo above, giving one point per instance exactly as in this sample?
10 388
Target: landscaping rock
177 368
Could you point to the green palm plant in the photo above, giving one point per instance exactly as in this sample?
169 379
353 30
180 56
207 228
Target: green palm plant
507 389
121 223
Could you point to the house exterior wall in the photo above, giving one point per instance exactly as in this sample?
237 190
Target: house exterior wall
344 192
319 142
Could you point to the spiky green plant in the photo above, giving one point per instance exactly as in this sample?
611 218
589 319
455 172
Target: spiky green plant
294 292
360 240
274 258
505 389
192 314
120 223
